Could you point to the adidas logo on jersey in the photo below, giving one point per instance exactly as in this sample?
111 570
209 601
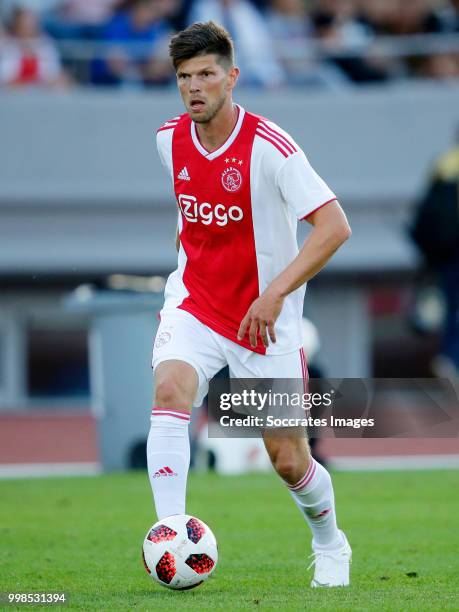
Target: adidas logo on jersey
183 174
165 471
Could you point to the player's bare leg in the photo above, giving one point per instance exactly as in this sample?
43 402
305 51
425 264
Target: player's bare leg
168 446
176 383
310 485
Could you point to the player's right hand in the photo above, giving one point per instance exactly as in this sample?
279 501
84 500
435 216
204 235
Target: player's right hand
261 318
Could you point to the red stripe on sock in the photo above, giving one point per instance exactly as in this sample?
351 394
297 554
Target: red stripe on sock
180 410
298 484
171 414
306 478
177 413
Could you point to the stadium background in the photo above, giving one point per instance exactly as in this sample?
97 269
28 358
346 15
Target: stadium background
369 89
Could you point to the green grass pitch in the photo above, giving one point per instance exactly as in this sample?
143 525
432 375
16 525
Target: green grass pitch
84 535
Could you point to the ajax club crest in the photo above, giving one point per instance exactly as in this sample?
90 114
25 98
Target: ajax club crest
231 176
162 339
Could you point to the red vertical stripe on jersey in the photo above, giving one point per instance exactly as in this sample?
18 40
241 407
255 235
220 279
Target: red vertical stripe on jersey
221 272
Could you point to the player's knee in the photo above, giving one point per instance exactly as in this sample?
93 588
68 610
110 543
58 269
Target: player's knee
285 464
169 394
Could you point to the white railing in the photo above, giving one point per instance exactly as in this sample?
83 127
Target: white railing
383 46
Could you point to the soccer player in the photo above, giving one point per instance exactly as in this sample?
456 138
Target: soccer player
236 298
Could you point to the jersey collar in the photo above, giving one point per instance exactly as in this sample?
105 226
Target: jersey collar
228 142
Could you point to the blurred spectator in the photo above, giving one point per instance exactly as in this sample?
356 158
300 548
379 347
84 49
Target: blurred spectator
338 27
248 28
398 17
378 14
435 231
415 17
27 56
179 18
450 16
290 20
291 31
76 19
343 15
325 43
401 17
138 37
442 67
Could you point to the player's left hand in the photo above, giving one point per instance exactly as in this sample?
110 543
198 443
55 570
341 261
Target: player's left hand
261 317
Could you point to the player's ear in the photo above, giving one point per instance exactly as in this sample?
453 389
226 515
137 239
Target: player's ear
233 76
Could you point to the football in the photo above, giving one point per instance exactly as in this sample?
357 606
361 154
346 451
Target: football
180 552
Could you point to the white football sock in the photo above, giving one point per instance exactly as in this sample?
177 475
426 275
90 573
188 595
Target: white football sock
168 456
313 495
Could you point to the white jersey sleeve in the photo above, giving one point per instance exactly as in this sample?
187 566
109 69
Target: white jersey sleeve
301 187
164 144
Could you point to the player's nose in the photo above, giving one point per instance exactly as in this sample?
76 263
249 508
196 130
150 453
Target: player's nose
194 85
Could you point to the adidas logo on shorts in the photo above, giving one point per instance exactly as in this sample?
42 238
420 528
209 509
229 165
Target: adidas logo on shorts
183 174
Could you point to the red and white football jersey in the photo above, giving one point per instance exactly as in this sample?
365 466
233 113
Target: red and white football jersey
238 211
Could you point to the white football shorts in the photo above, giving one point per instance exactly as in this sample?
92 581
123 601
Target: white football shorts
181 336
